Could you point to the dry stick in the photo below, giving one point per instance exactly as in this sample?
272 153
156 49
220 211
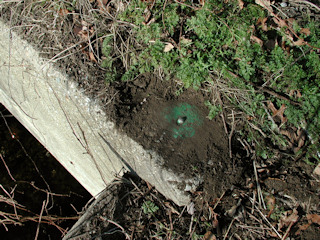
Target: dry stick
222 114
230 138
118 225
290 29
225 236
244 146
28 156
13 202
190 226
258 129
307 2
253 202
288 230
195 8
46 191
260 196
60 53
263 89
266 220
171 225
219 199
40 216
277 95
8 170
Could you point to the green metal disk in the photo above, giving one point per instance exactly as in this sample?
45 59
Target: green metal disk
183 120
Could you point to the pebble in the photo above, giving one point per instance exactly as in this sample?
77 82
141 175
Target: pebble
283 4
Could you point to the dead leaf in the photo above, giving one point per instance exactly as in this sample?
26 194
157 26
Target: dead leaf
302 228
209 236
172 209
305 31
295 93
317 170
185 41
241 4
256 40
103 5
202 2
92 57
76 29
215 221
277 112
280 22
265 4
301 137
168 47
63 12
263 23
314 218
299 42
271 202
287 219
296 138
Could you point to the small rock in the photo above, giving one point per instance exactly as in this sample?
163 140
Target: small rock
283 4
210 162
187 188
316 171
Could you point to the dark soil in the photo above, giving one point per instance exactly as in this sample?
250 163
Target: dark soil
139 111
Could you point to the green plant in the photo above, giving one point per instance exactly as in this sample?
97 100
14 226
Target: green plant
221 38
108 62
213 110
149 208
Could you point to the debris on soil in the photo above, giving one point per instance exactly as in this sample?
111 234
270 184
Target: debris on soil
141 111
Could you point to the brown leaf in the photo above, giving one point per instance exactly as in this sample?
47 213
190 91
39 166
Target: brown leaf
315 218
302 228
301 137
271 202
263 23
76 29
257 40
92 57
168 47
184 40
172 209
287 220
295 93
265 4
63 12
209 236
296 138
280 22
279 112
84 35
241 4
290 134
103 5
202 2
299 42
305 31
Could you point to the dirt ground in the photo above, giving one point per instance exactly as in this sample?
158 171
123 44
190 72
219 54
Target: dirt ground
140 109
230 187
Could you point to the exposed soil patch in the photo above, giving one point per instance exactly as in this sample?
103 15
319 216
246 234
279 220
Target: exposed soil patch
141 110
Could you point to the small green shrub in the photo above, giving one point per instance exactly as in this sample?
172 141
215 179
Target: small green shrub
149 207
217 38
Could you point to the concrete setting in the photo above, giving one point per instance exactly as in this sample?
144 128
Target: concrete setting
71 126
